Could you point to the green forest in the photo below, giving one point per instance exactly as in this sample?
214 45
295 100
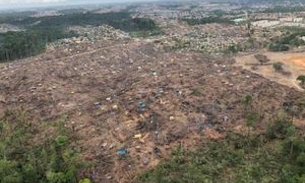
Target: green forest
207 20
54 158
291 38
40 31
284 9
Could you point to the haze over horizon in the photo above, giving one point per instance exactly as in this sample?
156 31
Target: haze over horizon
11 4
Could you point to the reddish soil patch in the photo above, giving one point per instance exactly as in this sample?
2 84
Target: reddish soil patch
298 61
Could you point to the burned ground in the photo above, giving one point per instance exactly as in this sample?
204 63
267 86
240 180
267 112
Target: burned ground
136 97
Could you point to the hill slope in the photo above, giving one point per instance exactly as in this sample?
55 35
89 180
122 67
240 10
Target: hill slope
135 96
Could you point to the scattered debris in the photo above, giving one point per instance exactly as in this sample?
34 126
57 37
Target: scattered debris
115 107
104 144
129 108
2 99
123 152
142 106
146 161
138 136
97 103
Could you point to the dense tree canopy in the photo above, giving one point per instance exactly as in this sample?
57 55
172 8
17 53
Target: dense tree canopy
278 47
207 20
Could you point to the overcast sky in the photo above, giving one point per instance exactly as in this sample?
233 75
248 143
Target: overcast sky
28 3
9 2
49 1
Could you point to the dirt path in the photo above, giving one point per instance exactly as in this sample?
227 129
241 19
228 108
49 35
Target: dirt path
86 52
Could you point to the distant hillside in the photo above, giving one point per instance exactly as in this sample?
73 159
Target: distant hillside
43 30
268 1
256 1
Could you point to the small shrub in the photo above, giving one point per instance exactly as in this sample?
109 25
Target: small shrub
61 140
57 177
85 181
301 78
262 59
247 102
251 119
196 92
278 129
278 66
278 47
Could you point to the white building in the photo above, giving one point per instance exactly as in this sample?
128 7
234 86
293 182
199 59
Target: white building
293 24
265 23
297 19
286 19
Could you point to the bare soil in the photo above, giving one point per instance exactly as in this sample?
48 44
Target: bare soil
294 62
114 92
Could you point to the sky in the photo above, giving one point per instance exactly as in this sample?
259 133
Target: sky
4 4
48 1
10 2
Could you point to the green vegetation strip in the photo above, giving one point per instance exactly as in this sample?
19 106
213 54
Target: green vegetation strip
207 20
292 37
276 156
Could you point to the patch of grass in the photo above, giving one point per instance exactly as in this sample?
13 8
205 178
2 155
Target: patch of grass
196 92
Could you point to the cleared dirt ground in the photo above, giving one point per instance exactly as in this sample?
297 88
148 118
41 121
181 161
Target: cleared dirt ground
115 92
294 62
